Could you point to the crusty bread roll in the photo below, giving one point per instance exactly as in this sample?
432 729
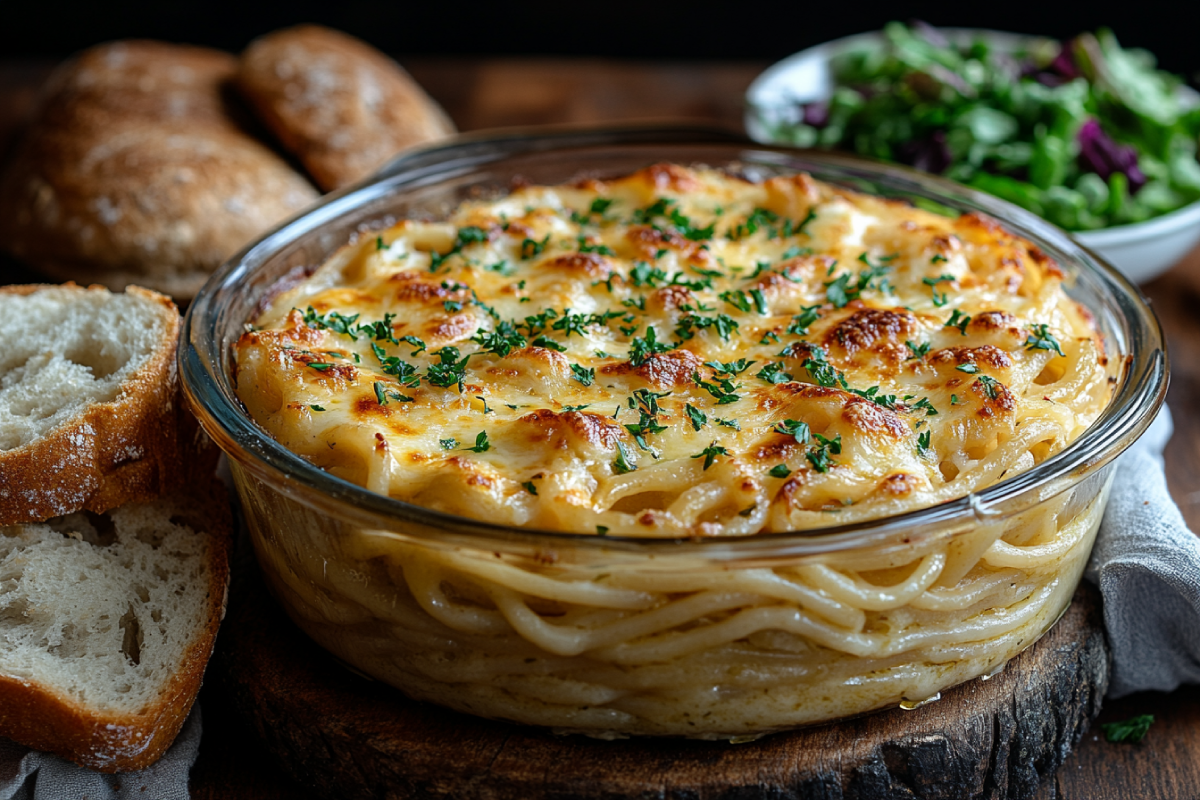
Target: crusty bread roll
133 171
337 104
107 623
90 412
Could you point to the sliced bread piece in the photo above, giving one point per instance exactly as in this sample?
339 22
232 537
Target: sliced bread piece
90 413
106 625
336 103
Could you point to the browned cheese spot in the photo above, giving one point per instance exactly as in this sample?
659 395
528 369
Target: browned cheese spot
591 265
984 356
899 484
873 337
1002 404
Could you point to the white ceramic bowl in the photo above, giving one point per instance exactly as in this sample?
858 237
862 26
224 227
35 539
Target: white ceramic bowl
1142 250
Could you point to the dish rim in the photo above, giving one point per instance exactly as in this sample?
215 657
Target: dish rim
209 391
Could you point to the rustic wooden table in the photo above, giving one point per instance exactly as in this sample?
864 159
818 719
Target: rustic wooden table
485 93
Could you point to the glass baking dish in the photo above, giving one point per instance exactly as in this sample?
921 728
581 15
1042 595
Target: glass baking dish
615 636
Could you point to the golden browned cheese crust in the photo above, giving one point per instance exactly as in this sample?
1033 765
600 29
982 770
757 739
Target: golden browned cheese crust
678 352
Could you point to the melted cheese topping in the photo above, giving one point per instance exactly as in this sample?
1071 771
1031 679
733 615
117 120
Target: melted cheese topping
678 352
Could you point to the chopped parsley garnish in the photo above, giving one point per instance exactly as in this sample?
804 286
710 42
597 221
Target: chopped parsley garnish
1132 730
452 306
621 465
452 369
643 274
970 369
549 344
824 373
924 405
532 248
415 342
691 232
939 298
958 320
567 409
1040 338
602 530
482 445
320 366
659 208
773 373
317 408
643 347
780 471
875 396
759 217
503 267
724 325
587 247
585 375
989 385
728 423
953 399
501 342
918 350
797 430
710 453
529 487
332 321
723 391
379 243
846 288
486 408
801 322
938 258
923 444
736 298
730 367
448 444
819 454
697 417
381 393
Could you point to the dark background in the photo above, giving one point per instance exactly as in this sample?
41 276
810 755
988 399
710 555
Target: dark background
748 29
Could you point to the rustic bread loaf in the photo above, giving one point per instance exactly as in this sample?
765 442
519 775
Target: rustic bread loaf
90 413
106 625
135 171
339 105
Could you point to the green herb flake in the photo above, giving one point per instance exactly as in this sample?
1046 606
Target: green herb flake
1040 338
317 408
448 444
780 471
585 375
482 445
1132 730
697 417
958 320
917 350
622 465
710 453
529 487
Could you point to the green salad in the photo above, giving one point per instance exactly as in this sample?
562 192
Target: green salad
1084 133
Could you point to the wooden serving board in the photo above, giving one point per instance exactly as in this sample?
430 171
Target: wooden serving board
348 737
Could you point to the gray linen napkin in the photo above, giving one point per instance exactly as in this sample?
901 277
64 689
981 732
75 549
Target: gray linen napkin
29 775
1147 565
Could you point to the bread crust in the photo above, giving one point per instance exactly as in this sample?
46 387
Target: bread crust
339 105
135 171
40 717
131 448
